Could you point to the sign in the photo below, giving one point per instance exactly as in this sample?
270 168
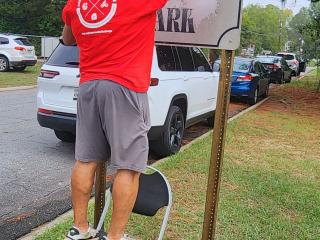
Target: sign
203 23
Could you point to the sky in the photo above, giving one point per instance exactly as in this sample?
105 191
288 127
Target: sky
295 6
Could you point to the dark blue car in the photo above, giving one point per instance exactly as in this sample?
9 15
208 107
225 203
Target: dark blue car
249 79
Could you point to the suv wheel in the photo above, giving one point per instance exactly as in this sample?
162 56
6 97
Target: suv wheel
20 68
253 100
4 64
65 136
266 93
210 121
171 139
282 80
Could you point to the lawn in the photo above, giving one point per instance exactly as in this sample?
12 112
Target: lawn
26 78
270 181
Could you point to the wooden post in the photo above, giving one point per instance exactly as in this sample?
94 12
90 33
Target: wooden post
100 190
218 141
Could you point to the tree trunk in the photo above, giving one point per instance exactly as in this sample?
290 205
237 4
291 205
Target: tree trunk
317 75
213 55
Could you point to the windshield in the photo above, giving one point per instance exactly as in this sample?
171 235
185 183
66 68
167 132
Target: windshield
268 59
241 66
286 56
23 41
64 56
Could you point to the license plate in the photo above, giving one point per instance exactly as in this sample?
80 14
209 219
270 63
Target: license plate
75 94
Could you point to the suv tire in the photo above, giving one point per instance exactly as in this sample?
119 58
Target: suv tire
171 139
20 68
210 121
266 93
4 64
65 136
253 100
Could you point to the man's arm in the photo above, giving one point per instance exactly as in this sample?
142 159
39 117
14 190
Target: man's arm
67 36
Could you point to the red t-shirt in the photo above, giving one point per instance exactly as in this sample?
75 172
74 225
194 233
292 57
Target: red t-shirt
115 38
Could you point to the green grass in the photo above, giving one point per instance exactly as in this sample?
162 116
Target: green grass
310 81
26 78
270 181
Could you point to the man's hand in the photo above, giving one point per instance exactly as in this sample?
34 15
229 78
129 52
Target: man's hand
67 36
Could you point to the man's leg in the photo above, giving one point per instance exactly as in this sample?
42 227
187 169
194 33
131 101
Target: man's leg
82 180
124 194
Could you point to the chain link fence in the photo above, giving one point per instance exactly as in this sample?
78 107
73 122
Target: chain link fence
44 45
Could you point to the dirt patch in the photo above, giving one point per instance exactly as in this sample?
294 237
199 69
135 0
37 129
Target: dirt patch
298 101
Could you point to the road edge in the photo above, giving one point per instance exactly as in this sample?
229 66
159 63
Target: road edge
41 229
18 88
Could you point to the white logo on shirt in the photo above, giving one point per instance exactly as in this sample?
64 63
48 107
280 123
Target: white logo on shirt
96 13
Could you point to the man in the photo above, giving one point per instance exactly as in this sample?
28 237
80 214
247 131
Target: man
116 41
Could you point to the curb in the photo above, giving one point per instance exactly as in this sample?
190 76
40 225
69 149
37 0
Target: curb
41 229
17 88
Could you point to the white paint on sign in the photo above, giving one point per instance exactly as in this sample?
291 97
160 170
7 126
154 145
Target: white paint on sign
204 23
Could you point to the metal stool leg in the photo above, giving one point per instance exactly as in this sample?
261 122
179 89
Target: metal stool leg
105 210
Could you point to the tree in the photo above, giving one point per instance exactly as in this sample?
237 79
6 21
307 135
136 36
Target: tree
38 17
260 26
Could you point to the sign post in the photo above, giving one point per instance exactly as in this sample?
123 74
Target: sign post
218 141
212 24
100 190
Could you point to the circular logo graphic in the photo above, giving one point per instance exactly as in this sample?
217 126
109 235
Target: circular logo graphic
96 13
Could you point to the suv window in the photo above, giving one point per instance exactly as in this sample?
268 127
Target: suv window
216 67
259 68
166 58
22 41
242 66
185 59
200 62
4 40
64 56
286 56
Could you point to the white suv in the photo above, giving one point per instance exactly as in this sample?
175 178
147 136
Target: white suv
183 91
16 52
292 61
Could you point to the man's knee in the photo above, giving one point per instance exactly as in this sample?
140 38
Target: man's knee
127 179
83 176
128 174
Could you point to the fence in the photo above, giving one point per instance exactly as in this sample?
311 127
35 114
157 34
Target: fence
44 45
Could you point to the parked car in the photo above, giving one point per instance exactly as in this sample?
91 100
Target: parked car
183 91
249 79
278 68
292 61
16 52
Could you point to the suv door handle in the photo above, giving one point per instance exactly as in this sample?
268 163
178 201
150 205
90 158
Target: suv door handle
78 76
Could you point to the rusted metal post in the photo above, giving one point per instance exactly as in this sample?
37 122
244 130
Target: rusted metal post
100 190
218 141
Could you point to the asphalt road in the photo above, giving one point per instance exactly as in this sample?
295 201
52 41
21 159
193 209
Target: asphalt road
35 167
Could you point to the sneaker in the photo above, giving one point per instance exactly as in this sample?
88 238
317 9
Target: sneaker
125 237
75 234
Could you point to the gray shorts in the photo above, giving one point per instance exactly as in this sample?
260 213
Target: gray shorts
112 123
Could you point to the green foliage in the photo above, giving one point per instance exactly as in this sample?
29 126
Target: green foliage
261 27
305 26
38 17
